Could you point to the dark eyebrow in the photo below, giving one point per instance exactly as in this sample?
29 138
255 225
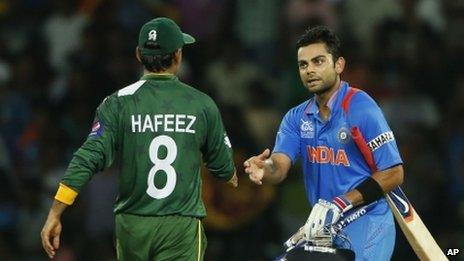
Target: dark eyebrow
317 57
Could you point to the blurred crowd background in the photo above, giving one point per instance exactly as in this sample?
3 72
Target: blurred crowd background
60 59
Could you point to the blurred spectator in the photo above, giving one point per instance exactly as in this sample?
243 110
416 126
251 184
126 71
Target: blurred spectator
15 108
32 212
303 13
5 161
257 25
455 150
5 72
454 36
207 21
262 118
63 32
398 43
202 18
362 17
405 108
8 217
229 76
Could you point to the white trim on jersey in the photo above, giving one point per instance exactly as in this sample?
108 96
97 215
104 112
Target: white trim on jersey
131 89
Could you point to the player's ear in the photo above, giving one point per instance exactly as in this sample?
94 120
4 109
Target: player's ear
178 56
340 65
137 54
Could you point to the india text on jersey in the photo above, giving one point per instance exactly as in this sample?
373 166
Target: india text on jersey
324 154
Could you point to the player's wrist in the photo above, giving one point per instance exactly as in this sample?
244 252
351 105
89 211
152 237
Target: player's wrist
343 203
269 165
370 190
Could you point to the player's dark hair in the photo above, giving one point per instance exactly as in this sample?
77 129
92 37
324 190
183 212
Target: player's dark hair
156 63
321 34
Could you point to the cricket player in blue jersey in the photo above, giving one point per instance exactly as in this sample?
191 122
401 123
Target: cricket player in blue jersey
321 132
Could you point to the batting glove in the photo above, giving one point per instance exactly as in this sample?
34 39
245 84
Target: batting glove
295 239
324 214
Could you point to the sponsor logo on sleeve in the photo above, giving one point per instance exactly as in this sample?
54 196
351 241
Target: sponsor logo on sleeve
97 129
380 140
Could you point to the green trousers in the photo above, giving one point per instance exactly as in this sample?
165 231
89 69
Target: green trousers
159 238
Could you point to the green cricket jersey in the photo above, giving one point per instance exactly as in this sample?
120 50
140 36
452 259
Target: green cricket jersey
159 129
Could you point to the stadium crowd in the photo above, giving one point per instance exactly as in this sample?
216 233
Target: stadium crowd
60 59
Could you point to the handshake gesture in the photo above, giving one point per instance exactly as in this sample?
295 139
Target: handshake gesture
271 169
322 216
256 166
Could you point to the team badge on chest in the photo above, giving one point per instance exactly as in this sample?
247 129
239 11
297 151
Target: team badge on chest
306 129
343 135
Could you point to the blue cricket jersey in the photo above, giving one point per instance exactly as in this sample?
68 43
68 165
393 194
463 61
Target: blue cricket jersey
332 163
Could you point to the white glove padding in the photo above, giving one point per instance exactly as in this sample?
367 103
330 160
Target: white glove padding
296 238
323 213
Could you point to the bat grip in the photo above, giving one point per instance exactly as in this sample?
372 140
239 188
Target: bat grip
353 215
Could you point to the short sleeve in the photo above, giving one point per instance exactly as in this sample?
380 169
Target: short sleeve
287 138
367 115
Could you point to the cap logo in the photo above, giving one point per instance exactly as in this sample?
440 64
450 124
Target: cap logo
152 35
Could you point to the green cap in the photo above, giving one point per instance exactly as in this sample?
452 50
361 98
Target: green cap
162 36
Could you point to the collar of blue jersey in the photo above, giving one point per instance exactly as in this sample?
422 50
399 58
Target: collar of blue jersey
158 76
333 102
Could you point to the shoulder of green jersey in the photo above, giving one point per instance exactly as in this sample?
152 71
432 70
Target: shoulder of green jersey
131 89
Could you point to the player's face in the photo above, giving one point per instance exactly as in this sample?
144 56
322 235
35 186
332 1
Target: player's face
318 71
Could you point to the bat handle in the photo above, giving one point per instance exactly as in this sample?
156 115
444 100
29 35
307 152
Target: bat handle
353 215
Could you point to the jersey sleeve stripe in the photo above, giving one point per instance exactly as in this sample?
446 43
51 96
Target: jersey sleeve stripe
347 99
361 143
199 241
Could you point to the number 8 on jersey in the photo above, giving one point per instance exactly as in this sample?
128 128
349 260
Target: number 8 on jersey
162 164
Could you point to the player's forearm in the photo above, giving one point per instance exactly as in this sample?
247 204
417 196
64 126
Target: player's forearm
87 161
387 180
57 209
273 172
390 178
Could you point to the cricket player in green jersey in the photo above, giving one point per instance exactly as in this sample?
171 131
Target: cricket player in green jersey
159 129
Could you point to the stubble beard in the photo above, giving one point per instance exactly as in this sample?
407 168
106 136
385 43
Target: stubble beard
324 87
320 90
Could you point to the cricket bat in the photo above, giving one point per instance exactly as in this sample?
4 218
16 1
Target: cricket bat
417 234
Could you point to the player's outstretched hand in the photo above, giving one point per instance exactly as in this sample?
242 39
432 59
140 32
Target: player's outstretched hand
254 166
50 235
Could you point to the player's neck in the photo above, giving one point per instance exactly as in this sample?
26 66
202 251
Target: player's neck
169 71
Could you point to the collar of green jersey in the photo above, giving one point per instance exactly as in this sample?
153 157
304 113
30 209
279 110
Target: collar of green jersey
158 76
